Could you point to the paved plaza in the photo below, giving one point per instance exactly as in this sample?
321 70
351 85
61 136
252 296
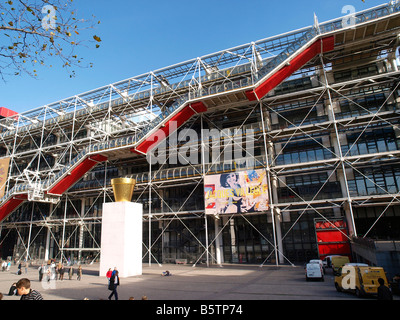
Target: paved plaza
229 282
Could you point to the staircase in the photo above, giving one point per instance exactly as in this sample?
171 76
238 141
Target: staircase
289 61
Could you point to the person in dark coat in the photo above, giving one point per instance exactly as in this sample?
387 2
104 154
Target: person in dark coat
384 292
19 272
114 283
61 271
41 272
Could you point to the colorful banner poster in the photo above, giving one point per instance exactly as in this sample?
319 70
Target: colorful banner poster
4 165
236 192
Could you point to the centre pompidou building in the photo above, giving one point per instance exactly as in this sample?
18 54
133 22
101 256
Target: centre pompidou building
311 116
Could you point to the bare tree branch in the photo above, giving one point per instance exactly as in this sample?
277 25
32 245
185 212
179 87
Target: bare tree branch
33 32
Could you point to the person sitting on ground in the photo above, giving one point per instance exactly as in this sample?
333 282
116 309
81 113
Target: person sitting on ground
166 273
25 291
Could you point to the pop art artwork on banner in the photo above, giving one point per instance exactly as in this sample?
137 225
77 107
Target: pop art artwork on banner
236 192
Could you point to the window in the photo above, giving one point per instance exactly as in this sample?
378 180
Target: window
303 151
362 71
380 140
362 106
309 186
376 180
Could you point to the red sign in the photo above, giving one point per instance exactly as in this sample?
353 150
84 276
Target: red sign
332 238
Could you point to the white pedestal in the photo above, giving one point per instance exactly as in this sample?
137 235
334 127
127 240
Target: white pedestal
121 238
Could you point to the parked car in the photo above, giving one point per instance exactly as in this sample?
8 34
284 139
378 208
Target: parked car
314 271
319 262
362 280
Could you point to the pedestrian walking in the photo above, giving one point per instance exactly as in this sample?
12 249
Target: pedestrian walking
3 265
41 272
114 283
53 271
79 273
19 272
114 271
70 273
52 267
108 275
49 273
57 268
61 271
26 292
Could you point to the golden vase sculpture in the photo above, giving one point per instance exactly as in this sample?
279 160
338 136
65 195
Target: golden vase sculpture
123 189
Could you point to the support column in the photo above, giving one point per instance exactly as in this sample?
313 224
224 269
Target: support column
149 214
48 236
392 61
81 229
204 179
163 239
218 242
268 147
206 235
47 249
27 256
278 219
63 231
234 247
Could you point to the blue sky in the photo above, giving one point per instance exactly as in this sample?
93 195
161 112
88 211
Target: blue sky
141 36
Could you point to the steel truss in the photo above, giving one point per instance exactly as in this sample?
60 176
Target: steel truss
43 142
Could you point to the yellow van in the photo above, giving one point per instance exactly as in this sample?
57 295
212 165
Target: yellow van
359 279
338 262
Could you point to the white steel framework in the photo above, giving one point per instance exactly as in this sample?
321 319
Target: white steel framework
314 129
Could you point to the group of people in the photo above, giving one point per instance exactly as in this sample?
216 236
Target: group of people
56 272
5 265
